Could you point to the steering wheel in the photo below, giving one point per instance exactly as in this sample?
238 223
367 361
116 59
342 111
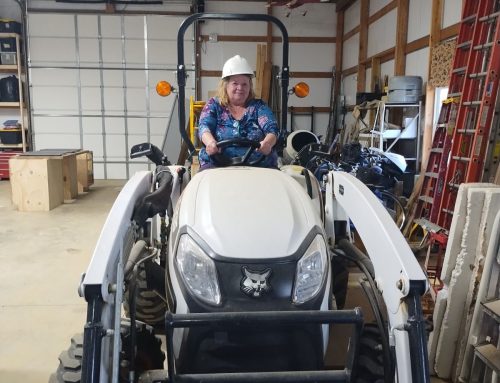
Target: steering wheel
221 159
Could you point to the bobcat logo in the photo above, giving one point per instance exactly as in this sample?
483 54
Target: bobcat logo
254 283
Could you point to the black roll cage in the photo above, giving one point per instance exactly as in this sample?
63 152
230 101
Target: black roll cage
181 68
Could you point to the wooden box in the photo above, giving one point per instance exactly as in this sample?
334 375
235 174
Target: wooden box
37 182
69 164
85 170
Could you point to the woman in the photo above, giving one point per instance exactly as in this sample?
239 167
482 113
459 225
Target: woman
235 113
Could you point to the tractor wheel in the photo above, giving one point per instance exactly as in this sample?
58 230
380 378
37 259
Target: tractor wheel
340 281
370 363
70 363
149 355
150 307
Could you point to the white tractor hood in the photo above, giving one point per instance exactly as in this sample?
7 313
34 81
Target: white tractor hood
247 213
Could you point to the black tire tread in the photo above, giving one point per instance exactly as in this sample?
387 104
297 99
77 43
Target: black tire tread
149 354
370 362
150 307
70 363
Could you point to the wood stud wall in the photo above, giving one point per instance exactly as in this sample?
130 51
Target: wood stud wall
402 48
398 53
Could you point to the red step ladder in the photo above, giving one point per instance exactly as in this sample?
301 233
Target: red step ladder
432 186
474 81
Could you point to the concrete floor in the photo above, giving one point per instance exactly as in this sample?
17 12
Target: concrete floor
43 255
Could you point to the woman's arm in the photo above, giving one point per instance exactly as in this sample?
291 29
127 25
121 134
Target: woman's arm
207 125
210 143
269 125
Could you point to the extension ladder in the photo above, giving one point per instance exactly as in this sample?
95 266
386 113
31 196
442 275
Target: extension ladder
474 81
461 137
462 132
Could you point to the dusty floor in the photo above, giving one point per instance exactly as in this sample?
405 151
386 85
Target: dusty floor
43 255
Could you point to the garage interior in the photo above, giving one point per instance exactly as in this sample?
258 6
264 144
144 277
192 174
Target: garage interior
401 93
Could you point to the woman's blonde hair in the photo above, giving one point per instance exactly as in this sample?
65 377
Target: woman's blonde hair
222 92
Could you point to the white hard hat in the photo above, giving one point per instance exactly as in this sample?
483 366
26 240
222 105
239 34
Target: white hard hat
236 65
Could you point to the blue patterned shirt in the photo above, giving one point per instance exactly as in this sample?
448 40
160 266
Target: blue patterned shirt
255 124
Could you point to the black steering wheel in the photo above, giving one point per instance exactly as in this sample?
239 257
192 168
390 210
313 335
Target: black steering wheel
221 159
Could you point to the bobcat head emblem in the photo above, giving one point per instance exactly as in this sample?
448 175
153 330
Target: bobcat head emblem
254 283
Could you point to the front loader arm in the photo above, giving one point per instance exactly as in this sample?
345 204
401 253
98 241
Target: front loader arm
398 275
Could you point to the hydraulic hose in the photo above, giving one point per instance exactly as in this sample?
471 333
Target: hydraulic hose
140 253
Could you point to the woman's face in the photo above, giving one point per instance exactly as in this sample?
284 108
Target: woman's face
238 89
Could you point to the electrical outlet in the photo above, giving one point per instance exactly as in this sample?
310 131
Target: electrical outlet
212 37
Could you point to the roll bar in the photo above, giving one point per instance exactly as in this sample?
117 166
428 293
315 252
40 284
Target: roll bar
181 68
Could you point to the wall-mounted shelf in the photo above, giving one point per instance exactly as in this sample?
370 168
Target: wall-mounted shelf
13 139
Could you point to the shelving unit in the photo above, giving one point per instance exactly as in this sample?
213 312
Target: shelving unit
13 110
401 136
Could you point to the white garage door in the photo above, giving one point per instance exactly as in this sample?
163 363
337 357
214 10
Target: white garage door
92 80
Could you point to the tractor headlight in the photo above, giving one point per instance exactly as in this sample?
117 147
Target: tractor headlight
311 271
198 271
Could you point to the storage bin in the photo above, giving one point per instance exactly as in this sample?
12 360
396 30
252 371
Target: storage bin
10 26
405 89
8 58
7 44
10 136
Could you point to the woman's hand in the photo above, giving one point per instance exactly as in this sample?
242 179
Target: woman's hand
212 148
266 145
210 143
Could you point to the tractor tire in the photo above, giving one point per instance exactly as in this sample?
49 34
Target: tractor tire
370 363
340 281
150 307
70 363
149 355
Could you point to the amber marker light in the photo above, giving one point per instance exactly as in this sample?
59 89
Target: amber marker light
301 90
163 88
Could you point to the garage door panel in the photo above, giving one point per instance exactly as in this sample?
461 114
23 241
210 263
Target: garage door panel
55 99
52 51
166 27
113 100
41 24
133 27
53 77
91 126
134 53
87 26
96 76
136 100
88 51
112 52
57 126
94 142
68 141
111 26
